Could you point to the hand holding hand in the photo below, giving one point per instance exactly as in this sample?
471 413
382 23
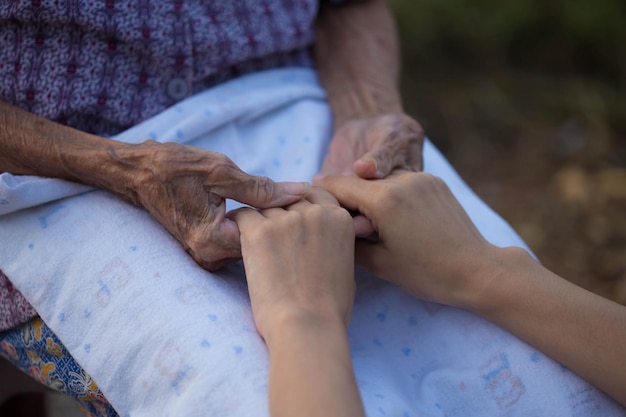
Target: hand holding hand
298 260
184 188
373 147
427 243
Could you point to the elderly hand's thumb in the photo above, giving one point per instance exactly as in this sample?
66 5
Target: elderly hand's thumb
262 192
368 168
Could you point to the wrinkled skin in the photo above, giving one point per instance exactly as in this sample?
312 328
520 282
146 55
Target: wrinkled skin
372 148
184 188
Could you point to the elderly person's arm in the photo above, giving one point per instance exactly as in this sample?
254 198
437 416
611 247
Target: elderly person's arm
357 57
182 187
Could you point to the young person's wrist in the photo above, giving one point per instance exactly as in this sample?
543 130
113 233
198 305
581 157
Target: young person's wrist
494 283
286 322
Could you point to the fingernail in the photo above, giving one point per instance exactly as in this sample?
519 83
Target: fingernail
379 172
366 168
295 188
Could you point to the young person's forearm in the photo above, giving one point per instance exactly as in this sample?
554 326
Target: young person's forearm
32 145
311 370
357 57
581 330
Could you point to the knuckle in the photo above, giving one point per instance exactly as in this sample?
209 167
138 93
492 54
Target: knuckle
391 196
168 146
295 218
424 183
219 166
343 218
401 132
315 211
329 213
330 218
203 261
260 232
196 245
209 253
164 153
413 127
263 188
341 215
291 221
404 129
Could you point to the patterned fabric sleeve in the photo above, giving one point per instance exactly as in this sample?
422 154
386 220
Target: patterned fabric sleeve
14 309
103 67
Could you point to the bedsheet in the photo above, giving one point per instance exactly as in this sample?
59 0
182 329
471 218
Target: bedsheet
163 337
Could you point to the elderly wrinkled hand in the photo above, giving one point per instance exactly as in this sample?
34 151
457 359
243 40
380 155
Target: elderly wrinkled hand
184 188
373 147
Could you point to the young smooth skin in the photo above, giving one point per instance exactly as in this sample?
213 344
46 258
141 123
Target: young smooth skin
429 247
299 264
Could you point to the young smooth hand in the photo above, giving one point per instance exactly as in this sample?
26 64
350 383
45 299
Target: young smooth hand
429 247
299 260
427 244
299 264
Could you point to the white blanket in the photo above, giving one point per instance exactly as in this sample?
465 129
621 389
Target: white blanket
163 337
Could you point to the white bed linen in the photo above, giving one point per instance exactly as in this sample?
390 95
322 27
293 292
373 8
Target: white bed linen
162 337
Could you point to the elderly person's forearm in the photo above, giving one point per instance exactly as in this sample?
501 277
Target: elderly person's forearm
32 145
184 188
357 57
356 54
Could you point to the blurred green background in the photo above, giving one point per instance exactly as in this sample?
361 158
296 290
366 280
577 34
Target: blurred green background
528 101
